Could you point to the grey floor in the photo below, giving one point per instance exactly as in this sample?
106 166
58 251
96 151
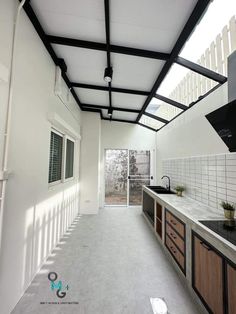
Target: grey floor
113 264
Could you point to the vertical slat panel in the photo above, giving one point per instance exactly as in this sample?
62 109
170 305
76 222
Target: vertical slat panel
195 96
219 54
189 88
213 56
185 91
204 78
232 31
208 66
199 82
225 41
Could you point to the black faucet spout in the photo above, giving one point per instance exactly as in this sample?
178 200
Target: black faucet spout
168 181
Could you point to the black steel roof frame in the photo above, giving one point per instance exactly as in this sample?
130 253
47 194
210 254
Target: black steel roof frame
113 89
189 27
196 15
106 107
58 61
72 42
140 53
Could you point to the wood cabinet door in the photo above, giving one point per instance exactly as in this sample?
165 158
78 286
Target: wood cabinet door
208 275
231 281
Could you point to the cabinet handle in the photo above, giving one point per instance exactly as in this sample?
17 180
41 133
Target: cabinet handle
174 223
205 246
173 236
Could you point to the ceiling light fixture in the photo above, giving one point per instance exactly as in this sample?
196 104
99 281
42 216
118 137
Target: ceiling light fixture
108 74
109 112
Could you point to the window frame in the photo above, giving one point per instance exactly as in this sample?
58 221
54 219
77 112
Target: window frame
67 137
63 159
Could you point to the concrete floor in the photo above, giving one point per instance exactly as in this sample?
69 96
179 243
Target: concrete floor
113 264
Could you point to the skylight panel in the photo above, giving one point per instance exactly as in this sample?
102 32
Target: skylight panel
162 109
152 123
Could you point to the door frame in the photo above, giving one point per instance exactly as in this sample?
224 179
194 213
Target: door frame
152 173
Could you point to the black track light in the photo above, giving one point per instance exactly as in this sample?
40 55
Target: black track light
110 111
108 74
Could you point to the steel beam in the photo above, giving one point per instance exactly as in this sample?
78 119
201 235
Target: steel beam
171 102
114 108
102 47
155 117
193 20
113 89
201 70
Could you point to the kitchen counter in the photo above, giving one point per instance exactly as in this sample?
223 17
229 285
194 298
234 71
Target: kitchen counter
190 212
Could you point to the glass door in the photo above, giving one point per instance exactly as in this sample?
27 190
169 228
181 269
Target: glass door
125 173
139 174
116 172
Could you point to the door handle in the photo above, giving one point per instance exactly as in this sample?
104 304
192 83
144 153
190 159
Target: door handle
151 177
128 177
205 246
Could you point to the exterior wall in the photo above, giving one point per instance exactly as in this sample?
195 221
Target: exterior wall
90 168
118 135
191 134
35 216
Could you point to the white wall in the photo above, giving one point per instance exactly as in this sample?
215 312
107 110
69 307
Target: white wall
90 168
117 135
35 216
191 134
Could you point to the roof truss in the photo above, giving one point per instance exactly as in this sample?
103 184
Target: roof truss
169 58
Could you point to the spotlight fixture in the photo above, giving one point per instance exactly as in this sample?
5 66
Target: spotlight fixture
108 74
109 112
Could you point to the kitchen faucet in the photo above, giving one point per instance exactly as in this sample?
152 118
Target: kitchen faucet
168 186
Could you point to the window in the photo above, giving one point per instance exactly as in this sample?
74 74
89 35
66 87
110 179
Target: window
55 161
61 160
69 159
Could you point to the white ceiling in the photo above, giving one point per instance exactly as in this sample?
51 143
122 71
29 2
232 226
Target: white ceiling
149 24
93 97
127 116
146 24
83 19
124 115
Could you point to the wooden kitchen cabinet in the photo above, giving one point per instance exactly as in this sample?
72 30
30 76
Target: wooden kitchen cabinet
208 275
231 288
175 239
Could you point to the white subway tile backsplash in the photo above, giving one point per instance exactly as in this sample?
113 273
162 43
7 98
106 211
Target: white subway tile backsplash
208 179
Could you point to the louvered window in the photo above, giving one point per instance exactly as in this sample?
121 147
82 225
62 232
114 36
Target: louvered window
55 161
69 159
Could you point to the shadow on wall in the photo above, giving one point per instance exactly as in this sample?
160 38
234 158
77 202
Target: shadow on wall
45 225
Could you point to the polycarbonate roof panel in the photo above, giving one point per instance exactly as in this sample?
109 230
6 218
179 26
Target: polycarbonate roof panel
134 72
152 25
202 46
184 86
128 101
162 109
83 65
92 97
151 122
124 115
72 18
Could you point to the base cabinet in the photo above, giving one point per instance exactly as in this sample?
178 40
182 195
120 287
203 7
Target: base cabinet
213 277
208 276
231 288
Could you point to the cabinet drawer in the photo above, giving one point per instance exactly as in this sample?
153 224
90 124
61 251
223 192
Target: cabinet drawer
175 253
175 223
178 241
